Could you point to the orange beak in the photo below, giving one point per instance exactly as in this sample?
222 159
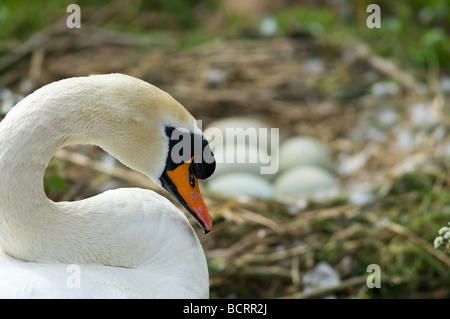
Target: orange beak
183 185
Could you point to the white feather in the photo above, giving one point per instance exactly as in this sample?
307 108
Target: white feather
122 243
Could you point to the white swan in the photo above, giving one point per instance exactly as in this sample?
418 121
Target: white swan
122 243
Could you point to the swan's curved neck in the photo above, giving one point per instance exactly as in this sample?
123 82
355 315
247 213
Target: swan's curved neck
34 228
29 136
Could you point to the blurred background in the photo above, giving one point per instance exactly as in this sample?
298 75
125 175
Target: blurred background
363 117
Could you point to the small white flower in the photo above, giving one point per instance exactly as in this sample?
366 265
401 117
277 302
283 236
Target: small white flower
447 235
443 230
438 241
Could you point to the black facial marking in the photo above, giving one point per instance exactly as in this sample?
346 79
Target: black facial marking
206 168
204 163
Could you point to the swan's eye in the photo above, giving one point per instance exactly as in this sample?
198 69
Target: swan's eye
191 176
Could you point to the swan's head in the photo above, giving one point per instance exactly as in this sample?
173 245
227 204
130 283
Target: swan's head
157 136
189 158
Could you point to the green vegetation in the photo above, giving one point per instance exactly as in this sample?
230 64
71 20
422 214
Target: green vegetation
413 32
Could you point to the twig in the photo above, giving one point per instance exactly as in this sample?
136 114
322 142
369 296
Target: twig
242 244
399 229
385 66
295 273
275 256
265 271
118 172
354 281
257 218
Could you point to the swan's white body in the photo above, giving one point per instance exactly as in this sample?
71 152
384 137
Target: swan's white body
122 243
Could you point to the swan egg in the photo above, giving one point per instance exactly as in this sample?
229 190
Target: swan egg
236 184
240 158
305 180
303 150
